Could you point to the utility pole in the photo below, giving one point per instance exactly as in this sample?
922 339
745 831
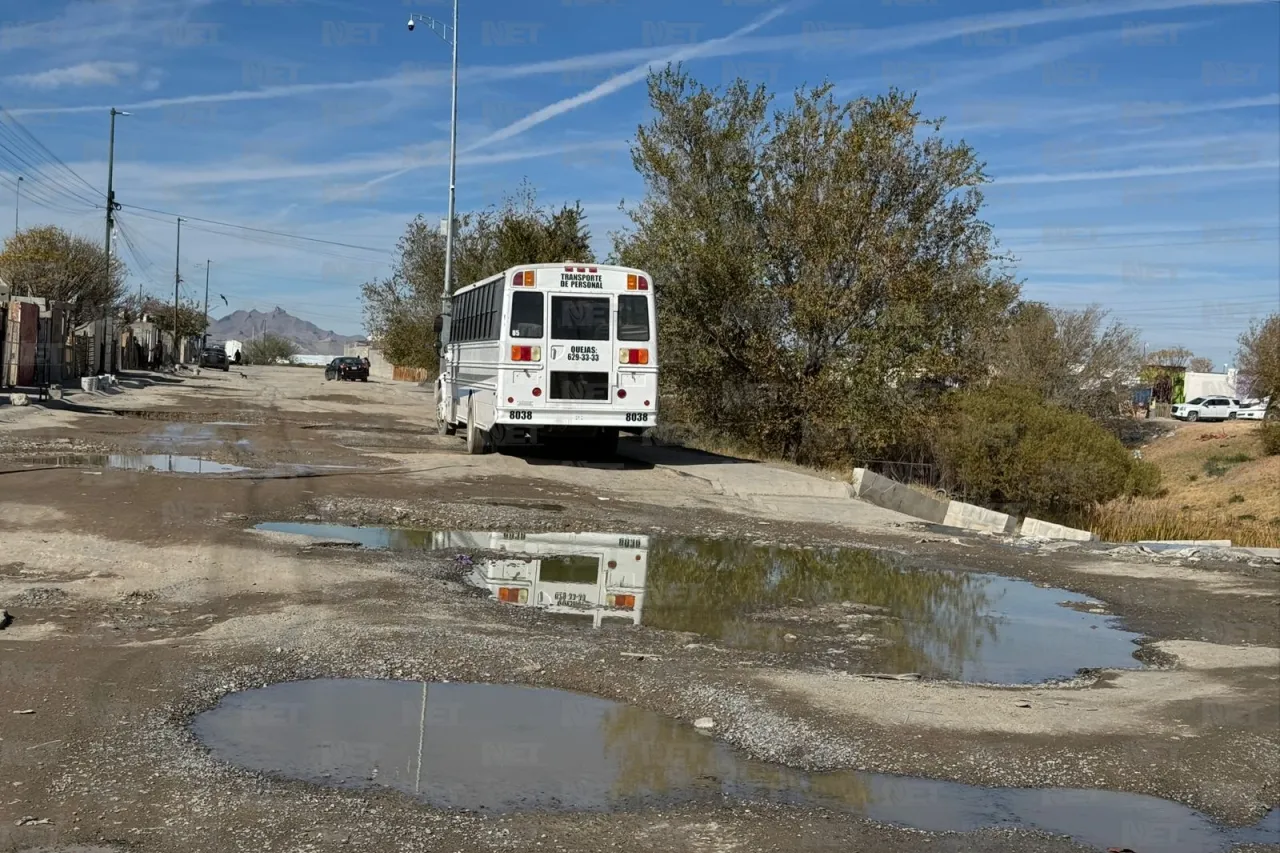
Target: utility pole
177 279
204 339
450 35
16 200
111 196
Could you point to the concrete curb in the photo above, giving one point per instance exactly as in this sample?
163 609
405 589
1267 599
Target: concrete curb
889 494
1034 527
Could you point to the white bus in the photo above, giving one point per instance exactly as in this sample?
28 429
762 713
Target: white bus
550 350
601 575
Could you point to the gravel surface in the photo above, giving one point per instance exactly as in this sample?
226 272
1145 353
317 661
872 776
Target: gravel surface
140 599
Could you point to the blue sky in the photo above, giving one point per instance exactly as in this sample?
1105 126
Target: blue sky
1135 145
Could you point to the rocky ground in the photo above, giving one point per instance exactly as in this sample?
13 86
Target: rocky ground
140 597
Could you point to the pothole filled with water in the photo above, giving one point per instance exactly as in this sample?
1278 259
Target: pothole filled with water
854 609
183 433
157 462
501 749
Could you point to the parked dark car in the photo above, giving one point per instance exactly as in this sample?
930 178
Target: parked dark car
215 357
347 368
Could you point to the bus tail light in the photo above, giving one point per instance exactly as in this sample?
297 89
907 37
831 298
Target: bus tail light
622 393
524 278
624 602
526 353
637 282
633 356
537 392
513 595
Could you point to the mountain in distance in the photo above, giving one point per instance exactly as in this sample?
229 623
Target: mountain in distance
310 338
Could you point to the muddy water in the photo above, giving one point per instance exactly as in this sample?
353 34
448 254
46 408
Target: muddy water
196 434
502 748
855 610
159 462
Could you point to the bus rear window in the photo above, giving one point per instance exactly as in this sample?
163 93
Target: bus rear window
579 318
526 315
633 318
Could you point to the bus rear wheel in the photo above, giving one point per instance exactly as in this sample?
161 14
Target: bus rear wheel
477 440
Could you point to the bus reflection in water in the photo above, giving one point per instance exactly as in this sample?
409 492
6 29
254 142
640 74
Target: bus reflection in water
601 575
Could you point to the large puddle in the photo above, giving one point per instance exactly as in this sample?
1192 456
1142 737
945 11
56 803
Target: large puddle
500 748
853 609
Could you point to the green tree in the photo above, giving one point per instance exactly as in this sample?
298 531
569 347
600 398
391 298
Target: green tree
192 321
268 349
1072 359
1200 364
821 271
1259 364
1258 359
55 264
400 309
1178 356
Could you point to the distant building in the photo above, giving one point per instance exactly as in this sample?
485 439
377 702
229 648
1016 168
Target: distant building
234 347
311 360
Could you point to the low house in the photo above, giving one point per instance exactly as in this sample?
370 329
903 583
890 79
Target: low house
1210 384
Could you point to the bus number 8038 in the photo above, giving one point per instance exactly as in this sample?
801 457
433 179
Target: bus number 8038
638 417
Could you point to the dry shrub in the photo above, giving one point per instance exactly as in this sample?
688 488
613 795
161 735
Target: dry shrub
1134 520
1003 446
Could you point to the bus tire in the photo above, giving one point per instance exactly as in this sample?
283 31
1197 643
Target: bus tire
477 441
443 427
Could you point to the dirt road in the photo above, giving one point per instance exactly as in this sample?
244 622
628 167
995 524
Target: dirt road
142 595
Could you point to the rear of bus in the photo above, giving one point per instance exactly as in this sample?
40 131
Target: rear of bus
579 353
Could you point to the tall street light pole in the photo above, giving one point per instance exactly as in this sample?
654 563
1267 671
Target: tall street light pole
111 196
177 279
450 35
16 200
204 338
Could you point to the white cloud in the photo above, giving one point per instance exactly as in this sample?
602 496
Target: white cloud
1123 115
1137 172
100 73
88 22
146 178
874 41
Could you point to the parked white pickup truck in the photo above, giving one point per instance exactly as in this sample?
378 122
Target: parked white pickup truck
1206 409
1253 410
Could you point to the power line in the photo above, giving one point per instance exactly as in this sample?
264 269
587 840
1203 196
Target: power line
32 143
264 231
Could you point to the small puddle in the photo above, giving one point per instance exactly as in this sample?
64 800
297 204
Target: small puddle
502 749
852 609
150 462
180 433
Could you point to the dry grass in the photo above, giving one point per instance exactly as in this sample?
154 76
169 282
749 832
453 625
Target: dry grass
1219 485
